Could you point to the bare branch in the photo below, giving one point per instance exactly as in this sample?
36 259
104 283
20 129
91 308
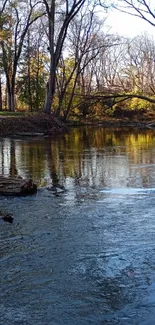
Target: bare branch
140 9
3 6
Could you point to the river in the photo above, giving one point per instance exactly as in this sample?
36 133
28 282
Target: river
82 250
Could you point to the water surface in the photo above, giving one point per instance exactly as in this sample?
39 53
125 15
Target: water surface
82 252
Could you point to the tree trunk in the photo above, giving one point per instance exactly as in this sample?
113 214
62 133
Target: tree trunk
11 100
50 90
37 80
10 86
67 111
29 73
61 97
6 99
0 94
48 102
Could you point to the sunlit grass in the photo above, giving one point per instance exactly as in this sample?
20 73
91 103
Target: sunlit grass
6 113
16 114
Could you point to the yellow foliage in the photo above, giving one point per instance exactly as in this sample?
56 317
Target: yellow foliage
4 34
137 103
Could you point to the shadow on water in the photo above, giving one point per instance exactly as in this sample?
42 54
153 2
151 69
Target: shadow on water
83 254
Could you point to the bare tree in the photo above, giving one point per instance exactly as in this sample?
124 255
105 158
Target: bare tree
59 19
109 63
32 72
140 64
140 8
15 20
82 49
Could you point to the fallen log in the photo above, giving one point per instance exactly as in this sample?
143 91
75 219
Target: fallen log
29 134
13 186
151 125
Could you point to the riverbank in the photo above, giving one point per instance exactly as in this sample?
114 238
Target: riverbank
140 122
50 125
42 124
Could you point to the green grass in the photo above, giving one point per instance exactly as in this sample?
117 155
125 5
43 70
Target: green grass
6 113
16 114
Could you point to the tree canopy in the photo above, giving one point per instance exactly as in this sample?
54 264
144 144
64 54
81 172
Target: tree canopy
55 55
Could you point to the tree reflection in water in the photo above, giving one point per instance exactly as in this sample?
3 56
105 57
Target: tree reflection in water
90 261
86 156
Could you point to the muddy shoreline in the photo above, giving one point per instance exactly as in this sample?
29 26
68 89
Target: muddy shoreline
45 125
116 123
42 124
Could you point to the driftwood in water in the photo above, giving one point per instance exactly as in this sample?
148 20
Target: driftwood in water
17 186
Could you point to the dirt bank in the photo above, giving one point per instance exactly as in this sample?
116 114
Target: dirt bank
43 123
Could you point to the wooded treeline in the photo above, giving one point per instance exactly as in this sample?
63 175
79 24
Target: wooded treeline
59 56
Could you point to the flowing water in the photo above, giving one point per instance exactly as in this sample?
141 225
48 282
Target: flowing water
82 250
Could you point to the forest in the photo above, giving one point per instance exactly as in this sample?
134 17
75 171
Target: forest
60 57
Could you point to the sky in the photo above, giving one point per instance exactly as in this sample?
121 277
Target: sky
127 25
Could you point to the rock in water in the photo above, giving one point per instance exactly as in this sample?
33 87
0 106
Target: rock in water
8 218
